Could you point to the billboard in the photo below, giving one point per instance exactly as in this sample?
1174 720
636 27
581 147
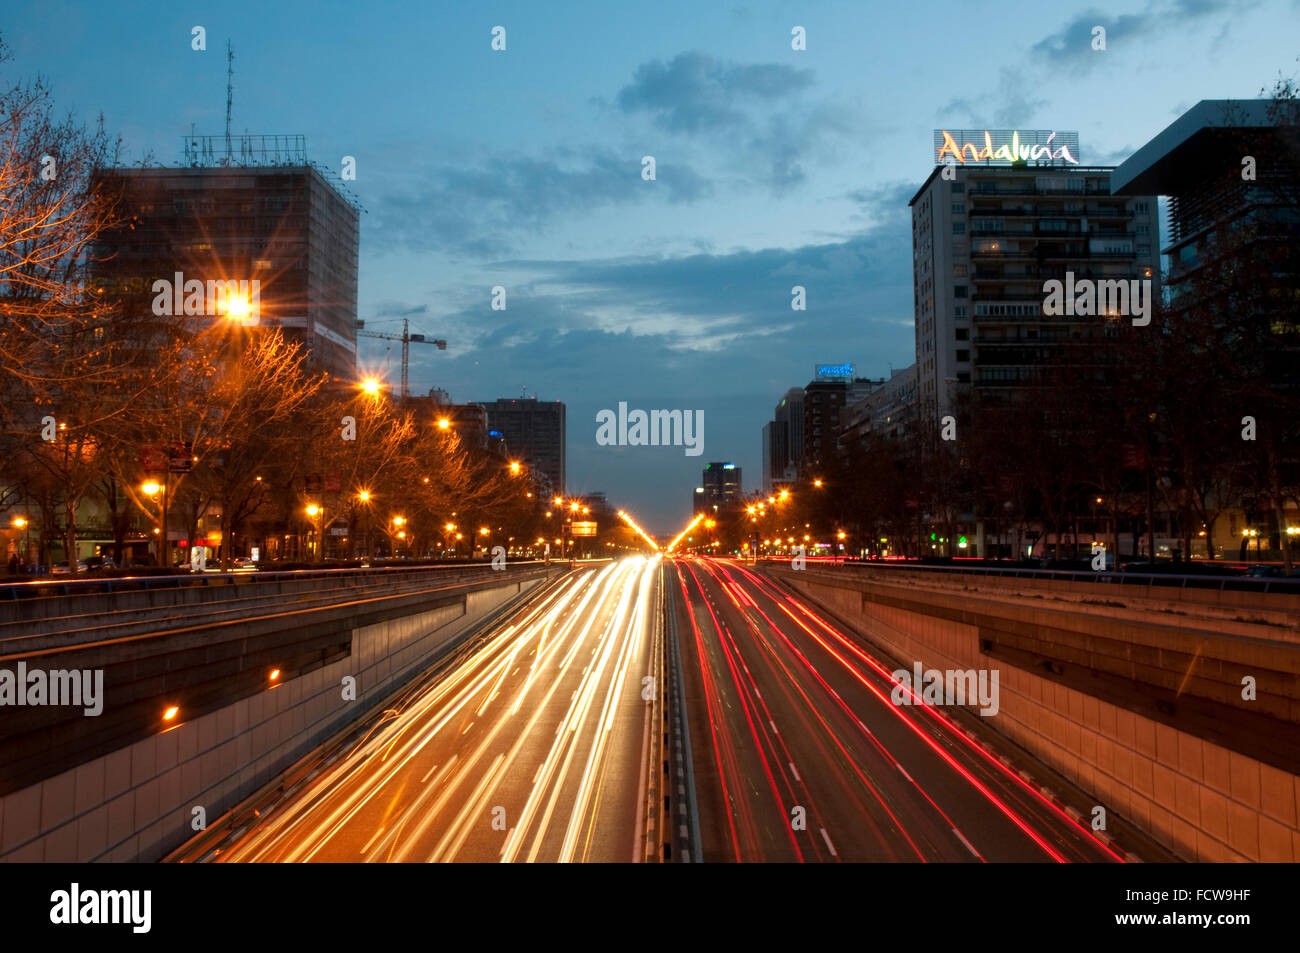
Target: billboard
583 528
835 372
1005 146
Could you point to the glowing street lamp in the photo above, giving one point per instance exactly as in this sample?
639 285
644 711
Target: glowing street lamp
372 386
515 467
444 423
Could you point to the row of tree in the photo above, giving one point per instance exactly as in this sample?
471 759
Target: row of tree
1122 427
108 409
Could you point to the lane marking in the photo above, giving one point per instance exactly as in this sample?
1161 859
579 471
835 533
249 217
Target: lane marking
827 837
796 772
973 851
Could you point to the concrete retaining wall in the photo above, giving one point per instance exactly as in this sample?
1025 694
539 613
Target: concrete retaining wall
1202 799
136 803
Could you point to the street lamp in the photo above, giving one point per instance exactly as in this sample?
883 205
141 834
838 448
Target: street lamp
314 511
151 489
372 386
515 467
444 423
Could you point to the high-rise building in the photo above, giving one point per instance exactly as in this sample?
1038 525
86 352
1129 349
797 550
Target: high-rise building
722 487
268 216
1229 169
988 231
783 440
823 402
888 411
534 434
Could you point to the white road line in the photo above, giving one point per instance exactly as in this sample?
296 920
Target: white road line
796 772
973 851
372 840
906 775
827 837
773 724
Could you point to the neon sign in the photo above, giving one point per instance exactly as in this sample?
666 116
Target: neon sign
1005 146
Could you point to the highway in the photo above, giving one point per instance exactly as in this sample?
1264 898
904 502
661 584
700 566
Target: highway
800 755
531 745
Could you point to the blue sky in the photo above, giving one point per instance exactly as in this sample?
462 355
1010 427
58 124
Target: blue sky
522 168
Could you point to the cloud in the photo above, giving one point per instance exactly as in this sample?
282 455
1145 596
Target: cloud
697 92
1010 105
757 117
480 210
392 309
1073 41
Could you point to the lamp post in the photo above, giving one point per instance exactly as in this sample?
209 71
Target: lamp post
315 511
151 489
399 522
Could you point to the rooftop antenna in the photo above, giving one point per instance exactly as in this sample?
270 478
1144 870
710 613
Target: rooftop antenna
230 89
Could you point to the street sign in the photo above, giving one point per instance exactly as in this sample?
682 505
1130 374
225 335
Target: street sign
581 528
180 457
152 459
333 483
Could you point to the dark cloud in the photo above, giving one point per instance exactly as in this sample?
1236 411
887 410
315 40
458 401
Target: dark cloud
757 116
1073 41
697 92
713 332
479 210
389 309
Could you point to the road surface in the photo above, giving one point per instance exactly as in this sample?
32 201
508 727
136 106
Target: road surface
800 755
530 747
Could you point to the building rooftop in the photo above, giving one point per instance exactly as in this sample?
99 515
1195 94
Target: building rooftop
1210 129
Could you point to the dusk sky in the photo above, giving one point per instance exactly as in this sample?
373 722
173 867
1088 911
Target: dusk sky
522 168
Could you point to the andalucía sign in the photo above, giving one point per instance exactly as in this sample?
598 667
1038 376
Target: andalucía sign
1005 146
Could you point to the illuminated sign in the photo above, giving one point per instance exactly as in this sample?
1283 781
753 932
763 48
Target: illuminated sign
835 372
1005 146
583 528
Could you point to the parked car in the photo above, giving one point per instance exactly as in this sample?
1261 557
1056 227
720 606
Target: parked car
100 562
61 569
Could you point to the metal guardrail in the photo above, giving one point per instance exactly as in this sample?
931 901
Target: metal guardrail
1264 584
44 588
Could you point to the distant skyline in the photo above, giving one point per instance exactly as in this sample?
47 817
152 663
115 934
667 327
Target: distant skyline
522 169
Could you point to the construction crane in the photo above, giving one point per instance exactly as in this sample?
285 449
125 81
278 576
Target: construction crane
406 337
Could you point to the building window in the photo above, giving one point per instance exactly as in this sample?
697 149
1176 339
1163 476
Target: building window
959 228
963 334
963 357
1143 229
959 208
959 311
262 264
959 271
1139 208
958 188
959 291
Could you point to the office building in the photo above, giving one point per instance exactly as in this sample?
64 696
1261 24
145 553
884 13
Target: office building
888 411
833 387
1002 213
783 439
721 488
262 217
1229 170
534 435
